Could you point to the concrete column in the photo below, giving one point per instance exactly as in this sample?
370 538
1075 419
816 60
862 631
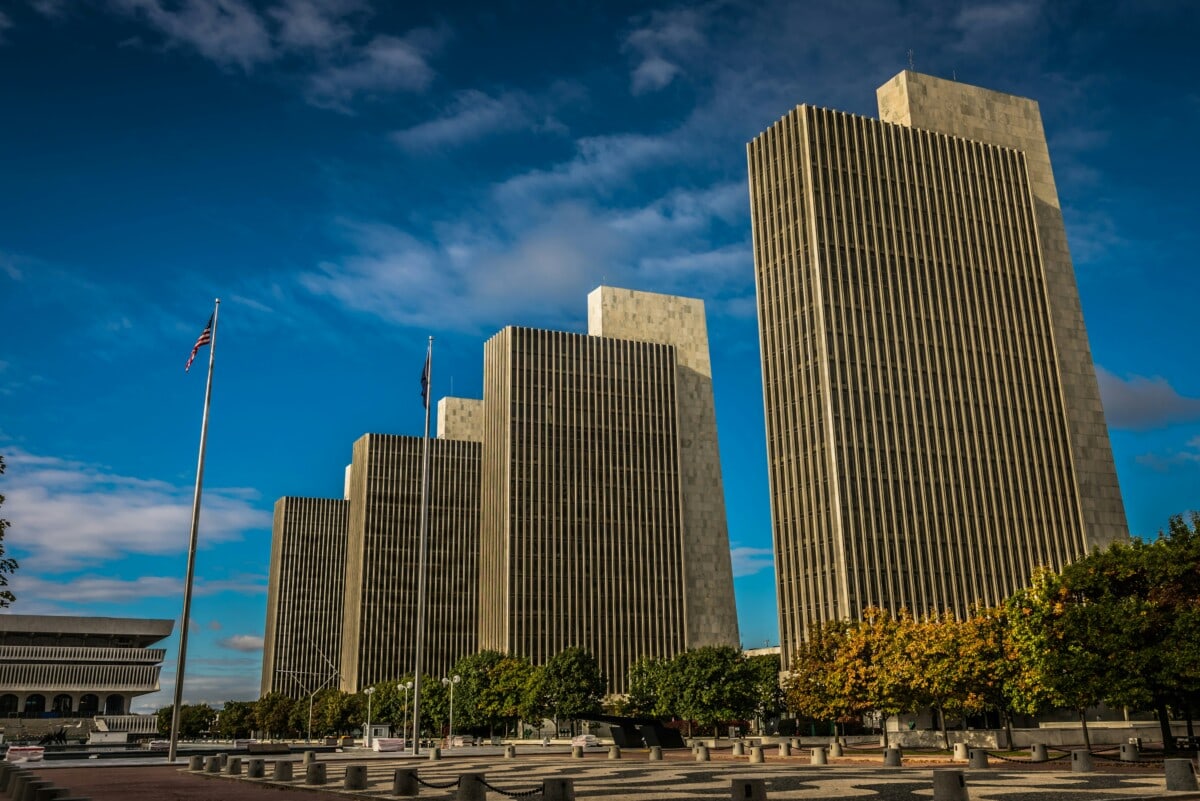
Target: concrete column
748 789
756 755
1037 753
960 752
255 768
656 753
356 777
470 788
1081 761
892 758
979 758
818 756
558 790
314 773
702 753
404 783
949 785
1180 774
283 771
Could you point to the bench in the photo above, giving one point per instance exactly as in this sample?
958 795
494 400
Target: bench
268 748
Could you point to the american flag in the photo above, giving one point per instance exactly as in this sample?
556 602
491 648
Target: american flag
425 379
204 339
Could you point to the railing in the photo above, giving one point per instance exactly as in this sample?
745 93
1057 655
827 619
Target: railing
64 653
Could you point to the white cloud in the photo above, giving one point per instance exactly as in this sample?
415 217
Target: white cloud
385 64
471 116
666 39
65 514
1139 403
92 589
49 8
749 561
985 26
242 642
312 25
228 32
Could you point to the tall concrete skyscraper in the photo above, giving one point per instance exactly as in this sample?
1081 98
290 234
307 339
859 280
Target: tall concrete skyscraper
602 513
934 427
303 640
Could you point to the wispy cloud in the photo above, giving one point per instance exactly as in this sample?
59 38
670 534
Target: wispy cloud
313 25
80 591
5 24
227 32
662 44
242 642
985 26
749 561
1140 403
66 514
471 116
385 64
1173 459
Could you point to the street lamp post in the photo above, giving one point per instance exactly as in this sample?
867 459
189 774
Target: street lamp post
451 682
370 691
408 685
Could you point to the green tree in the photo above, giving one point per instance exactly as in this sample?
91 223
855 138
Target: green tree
236 719
768 693
8 565
475 708
273 713
570 685
336 712
504 696
195 720
646 679
711 685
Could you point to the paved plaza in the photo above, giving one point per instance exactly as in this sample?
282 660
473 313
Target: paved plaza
632 777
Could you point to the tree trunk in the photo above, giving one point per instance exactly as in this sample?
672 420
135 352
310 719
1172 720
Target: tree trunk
1164 724
945 734
1190 731
883 719
1087 738
1007 718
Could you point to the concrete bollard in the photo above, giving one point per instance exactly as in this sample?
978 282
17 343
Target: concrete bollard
1081 761
195 762
309 758
656 753
31 788
748 789
1037 753
471 788
558 790
892 758
314 773
756 755
961 752
1180 774
356 777
510 752
949 785
255 768
50 793
818 757
577 751
794 743
1129 752
739 748
614 752
224 760
283 771
702 753
785 749
835 748
435 753
212 764
233 767
404 783
16 785
978 757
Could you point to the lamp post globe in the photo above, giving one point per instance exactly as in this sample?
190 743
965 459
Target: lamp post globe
453 680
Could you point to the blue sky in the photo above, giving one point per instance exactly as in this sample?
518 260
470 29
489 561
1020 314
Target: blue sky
350 178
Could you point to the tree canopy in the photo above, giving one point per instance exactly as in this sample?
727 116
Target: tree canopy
8 565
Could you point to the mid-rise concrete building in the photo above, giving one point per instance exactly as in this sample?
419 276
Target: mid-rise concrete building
934 427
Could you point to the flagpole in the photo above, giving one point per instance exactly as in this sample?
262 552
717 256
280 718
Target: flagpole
427 381
191 562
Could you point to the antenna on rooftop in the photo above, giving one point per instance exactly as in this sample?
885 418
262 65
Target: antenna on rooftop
910 61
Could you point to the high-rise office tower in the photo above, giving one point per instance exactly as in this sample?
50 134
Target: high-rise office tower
382 551
303 638
602 514
934 427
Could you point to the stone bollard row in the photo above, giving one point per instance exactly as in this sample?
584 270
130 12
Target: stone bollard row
224 760
256 768
314 773
748 789
471 788
702 753
1129 752
978 758
656 753
212 764
818 756
892 758
949 785
233 767
283 771
1037 753
404 783
356 777
1081 761
1180 774
195 762
756 755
